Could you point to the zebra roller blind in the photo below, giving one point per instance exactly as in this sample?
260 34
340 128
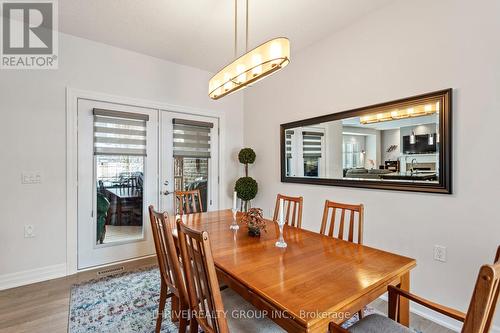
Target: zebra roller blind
119 133
311 144
288 143
191 138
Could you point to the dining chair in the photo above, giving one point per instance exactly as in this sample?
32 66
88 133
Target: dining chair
294 203
478 318
187 202
210 310
172 283
201 279
330 214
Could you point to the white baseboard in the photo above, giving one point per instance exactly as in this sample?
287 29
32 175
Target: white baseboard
438 318
17 279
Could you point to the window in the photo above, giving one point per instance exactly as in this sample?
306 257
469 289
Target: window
312 148
352 155
120 151
289 154
191 156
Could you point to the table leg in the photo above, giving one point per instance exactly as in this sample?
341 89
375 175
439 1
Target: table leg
404 303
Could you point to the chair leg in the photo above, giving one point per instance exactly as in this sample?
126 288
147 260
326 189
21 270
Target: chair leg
174 312
163 300
361 314
183 321
193 325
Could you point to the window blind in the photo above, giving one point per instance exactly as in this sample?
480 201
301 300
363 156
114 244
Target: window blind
288 143
119 133
191 138
311 144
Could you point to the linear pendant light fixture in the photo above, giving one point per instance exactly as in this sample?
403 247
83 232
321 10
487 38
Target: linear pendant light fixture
251 67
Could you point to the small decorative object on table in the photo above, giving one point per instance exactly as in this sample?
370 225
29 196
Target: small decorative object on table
281 223
234 225
254 221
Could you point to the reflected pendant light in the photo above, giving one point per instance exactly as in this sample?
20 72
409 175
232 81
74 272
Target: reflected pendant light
251 67
413 139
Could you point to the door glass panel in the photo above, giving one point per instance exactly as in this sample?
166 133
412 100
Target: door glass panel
191 173
120 182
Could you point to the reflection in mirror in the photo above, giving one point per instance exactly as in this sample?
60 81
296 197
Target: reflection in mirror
392 143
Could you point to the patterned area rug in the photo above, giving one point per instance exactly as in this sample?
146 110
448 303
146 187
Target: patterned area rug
128 302
121 303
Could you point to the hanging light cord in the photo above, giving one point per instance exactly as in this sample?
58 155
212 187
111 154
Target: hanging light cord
235 28
246 45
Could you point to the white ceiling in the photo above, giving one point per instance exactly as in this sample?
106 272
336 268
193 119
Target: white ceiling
200 33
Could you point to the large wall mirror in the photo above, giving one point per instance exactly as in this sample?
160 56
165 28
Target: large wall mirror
398 145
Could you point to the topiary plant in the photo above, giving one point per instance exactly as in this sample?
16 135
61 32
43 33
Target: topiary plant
246 156
246 188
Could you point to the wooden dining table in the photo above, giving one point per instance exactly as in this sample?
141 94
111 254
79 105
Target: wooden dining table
315 280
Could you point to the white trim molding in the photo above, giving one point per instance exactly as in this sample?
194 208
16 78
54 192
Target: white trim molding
22 278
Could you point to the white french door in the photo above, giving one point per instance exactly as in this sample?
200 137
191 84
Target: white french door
189 158
130 157
117 181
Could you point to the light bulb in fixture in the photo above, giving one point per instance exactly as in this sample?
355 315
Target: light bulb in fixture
240 70
275 52
256 63
394 114
428 108
229 84
410 111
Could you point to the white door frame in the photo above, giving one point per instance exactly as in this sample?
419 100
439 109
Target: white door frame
72 96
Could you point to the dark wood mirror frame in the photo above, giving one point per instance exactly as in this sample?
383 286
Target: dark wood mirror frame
445 153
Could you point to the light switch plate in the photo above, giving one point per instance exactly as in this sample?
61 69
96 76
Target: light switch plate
31 177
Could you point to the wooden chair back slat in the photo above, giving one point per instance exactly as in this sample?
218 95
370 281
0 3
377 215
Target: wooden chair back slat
201 279
351 228
341 227
188 202
291 205
354 210
484 300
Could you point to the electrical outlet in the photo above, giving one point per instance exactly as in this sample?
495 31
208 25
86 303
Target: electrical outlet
29 231
440 253
31 177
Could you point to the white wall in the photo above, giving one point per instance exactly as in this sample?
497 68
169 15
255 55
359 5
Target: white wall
408 48
33 136
389 138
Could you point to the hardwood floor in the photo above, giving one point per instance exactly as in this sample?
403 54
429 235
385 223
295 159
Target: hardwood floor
43 307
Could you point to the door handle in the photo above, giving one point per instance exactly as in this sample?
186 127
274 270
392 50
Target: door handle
167 192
